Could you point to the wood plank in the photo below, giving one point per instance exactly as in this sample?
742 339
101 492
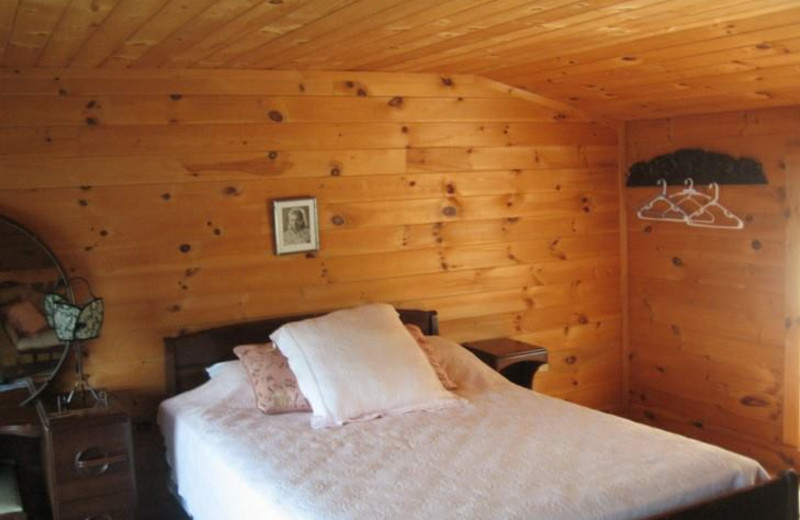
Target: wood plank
444 14
472 159
510 29
584 30
170 18
122 22
8 11
451 139
129 110
289 22
74 172
348 21
34 23
428 30
205 25
167 82
260 15
644 22
79 21
574 63
791 381
625 350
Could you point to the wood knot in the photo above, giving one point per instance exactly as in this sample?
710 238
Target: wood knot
753 401
756 244
449 211
447 81
648 229
650 415
83 202
450 188
583 319
91 104
231 191
629 58
396 102
272 155
677 261
337 220
276 116
91 121
166 196
185 248
335 172
570 360
175 97
361 92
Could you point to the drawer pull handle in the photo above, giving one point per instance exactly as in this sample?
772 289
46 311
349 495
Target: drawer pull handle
95 461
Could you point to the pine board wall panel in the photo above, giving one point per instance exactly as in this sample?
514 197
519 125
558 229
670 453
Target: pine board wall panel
447 193
707 306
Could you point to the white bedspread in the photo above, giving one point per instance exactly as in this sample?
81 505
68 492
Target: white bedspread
509 453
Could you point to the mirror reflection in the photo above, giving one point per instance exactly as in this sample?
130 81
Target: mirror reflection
28 270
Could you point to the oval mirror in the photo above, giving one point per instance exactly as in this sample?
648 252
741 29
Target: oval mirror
29 347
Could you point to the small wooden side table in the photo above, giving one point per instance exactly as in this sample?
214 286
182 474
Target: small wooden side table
516 360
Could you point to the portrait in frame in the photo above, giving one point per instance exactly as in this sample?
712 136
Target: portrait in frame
296 227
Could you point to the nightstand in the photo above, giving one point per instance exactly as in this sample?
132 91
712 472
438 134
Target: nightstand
516 360
89 463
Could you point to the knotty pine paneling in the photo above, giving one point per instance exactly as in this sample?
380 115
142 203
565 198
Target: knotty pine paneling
707 306
447 193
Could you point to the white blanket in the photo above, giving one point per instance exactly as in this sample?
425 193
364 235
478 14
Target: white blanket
509 453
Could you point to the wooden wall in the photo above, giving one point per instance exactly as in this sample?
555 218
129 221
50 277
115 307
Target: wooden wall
707 306
452 193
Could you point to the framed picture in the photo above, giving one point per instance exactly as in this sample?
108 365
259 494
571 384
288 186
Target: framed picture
296 225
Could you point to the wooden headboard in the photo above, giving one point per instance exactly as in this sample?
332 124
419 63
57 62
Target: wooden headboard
189 355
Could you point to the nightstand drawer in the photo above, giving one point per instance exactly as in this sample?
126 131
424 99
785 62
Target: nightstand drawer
92 461
90 464
108 507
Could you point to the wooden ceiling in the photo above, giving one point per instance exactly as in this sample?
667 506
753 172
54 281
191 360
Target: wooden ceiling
622 59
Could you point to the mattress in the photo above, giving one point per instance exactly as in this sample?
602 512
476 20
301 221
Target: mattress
507 452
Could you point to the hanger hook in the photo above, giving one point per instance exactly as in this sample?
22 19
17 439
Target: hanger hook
663 183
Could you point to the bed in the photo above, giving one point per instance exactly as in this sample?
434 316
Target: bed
507 452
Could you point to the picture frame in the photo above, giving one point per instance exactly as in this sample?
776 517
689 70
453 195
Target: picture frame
295 225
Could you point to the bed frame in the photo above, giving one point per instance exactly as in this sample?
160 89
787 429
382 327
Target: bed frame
187 357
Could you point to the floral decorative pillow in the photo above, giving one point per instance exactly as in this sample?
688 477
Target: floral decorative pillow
274 383
433 359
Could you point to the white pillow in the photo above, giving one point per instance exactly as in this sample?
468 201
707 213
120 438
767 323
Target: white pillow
230 385
359 364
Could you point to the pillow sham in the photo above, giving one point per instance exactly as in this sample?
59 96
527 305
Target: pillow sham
359 364
433 359
24 317
464 367
274 384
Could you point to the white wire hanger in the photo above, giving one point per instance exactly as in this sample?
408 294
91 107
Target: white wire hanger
672 212
690 206
707 215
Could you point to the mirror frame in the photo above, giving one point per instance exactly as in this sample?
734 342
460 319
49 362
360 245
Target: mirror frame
41 384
